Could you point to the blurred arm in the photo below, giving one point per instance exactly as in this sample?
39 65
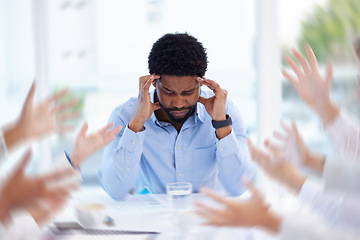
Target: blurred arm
345 134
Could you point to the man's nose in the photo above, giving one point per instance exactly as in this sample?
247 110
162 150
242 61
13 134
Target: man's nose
179 102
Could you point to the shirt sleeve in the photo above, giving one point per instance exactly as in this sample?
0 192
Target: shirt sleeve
344 132
121 161
340 175
338 208
22 219
233 156
300 226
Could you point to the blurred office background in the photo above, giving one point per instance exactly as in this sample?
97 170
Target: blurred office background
99 49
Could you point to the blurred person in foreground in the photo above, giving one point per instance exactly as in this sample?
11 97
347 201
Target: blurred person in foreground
337 201
26 200
177 132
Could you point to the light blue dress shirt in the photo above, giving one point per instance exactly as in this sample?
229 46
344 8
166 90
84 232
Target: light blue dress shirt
159 154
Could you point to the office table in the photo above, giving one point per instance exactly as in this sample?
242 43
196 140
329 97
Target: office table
149 213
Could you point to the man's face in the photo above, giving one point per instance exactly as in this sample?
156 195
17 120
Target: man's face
177 96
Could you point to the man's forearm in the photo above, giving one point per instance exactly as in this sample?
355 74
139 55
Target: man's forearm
116 177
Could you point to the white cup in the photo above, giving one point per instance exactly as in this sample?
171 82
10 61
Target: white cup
179 195
90 215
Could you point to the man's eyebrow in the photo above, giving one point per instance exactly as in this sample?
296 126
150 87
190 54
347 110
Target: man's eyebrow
190 89
167 89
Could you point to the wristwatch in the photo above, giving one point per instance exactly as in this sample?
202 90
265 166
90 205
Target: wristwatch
224 123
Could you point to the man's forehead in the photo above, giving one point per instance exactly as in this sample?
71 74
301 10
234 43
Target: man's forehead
175 83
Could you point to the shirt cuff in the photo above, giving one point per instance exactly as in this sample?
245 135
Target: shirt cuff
131 141
310 191
227 145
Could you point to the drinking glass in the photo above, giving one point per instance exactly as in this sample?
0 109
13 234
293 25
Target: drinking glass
179 195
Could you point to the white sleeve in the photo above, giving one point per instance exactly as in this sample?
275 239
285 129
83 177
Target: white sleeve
3 148
2 231
21 219
344 132
338 208
340 175
300 227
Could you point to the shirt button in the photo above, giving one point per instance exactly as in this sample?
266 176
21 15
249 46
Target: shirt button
133 141
177 147
166 124
221 149
141 142
179 174
128 169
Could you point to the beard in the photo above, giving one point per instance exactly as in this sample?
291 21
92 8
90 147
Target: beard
174 119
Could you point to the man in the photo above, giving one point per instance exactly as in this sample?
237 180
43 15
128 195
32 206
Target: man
176 133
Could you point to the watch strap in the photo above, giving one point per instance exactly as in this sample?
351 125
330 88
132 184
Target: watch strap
221 124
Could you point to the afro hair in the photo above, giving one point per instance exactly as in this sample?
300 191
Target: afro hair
178 54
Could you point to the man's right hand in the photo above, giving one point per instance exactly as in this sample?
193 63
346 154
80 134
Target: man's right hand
144 106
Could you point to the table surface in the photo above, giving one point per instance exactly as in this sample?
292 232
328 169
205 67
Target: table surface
150 213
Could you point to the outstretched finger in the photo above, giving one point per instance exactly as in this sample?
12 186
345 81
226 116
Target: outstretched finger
255 192
290 78
60 118
25 159
275 149
312 59
30 97
213 196
57 96
280 136
329 76
67 105
207 216
257 155
58 175
105 129
83 129
206 210
302 60
111 135
295 67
